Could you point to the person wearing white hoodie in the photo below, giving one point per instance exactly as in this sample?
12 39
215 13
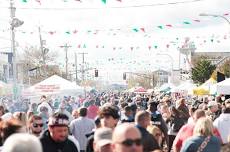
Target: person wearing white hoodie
222 124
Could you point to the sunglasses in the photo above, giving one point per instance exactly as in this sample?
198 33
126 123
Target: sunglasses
130 142
36 125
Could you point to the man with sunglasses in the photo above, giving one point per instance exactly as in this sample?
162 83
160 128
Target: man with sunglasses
127 138
35 125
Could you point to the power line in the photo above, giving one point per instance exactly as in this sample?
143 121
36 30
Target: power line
113 7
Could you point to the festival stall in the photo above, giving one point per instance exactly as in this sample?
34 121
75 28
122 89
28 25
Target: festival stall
54 85
206 88
167 87
184 87
223 87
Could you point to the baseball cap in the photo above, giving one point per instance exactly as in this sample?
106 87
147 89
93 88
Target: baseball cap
212 103
103 136
58 119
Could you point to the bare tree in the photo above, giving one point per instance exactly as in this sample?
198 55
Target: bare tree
32 64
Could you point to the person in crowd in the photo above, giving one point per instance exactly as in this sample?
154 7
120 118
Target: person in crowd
225 148
156 132
127 115
156 119
109 117
21 116
183 109
142 121
186 131
127 138
2 110
227 103
164 109
35 125
45 116
92 110
62 109
103 140
45 103
56 104
55 139
75 113
203 139
22 142
80 127
212 110
68 105
191 112
90 136
33 108
175 122
10 127
222 123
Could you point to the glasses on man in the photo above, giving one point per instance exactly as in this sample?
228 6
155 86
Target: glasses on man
130 142
37 125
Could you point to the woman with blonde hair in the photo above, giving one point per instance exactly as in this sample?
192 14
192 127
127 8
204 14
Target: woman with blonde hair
156 132
203 139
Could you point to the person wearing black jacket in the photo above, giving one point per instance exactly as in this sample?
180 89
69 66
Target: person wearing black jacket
157 119
142 120
55 139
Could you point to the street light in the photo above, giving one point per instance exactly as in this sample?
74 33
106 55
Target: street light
15 22
214 15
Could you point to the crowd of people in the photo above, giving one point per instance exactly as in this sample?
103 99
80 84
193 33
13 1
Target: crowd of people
117 122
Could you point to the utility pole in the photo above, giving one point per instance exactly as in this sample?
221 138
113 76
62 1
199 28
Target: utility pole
14 23
83 70
83 65
12 14
76 67
43 51
66 47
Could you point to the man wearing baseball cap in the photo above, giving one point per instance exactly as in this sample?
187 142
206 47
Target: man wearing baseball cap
55 139
102 140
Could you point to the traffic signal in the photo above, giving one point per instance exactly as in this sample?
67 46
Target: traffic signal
96 73
124 76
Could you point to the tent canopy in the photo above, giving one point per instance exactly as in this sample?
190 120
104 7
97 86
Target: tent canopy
140 90
55 85
166 87
223 87
184 87
206 88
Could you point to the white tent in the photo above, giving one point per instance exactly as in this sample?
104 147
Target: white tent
186 86
224 87
54 85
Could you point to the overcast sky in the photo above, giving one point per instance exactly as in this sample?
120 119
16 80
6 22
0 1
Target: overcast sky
114 23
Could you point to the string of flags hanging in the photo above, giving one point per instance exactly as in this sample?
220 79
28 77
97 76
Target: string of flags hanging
40 1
